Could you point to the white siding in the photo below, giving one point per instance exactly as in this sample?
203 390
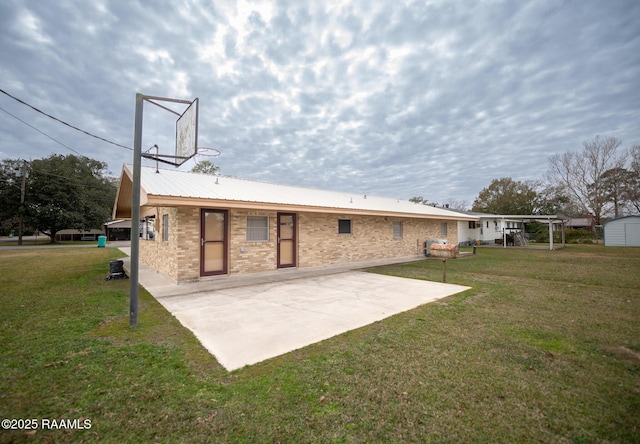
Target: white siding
622 232
493 231
632 232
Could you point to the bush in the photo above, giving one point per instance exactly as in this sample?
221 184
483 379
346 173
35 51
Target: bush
579 236
540 233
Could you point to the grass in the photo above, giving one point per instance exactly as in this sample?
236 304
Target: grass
6 242
544 348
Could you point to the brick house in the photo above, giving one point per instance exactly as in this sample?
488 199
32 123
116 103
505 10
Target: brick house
585 223
198 225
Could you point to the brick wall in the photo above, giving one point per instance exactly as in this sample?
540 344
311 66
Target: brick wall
251 257
188 248
179 258
318 241
156 253
371 238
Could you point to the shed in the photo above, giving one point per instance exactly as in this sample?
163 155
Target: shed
622 232
78 235
118 230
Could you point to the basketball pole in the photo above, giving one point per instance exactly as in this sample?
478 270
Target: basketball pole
135 213
135 198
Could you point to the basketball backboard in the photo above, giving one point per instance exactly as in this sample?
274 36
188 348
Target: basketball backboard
187 134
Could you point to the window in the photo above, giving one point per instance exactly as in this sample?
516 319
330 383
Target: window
472 224
443 229
257 228
344 226
397 230
165 228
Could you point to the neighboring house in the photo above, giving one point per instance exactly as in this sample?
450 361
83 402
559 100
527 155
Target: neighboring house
78 235
584 223
118 230
488 229
622 232
205 225
470 232
505 229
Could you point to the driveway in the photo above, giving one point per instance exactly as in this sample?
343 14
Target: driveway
248 322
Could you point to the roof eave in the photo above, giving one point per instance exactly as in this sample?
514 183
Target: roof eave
122 206
178 201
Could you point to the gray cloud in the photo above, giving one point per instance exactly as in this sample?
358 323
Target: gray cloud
384 98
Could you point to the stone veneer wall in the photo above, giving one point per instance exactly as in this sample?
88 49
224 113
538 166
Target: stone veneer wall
318 241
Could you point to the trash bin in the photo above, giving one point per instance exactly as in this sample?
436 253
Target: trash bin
102 241
116 267
116 270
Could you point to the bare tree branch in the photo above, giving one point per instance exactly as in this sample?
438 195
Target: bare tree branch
581 173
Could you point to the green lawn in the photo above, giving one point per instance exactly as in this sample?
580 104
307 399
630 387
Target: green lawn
544 348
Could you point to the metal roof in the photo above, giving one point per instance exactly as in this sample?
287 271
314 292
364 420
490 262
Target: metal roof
176 184
630 216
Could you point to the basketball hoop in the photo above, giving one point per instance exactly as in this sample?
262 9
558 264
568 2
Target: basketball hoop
208 152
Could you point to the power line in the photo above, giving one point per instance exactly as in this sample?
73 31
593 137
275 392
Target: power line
63 122
41 132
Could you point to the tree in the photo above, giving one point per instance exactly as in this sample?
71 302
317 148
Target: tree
617 184
205 167
506 196
580 174
455 204
68 192
422 201
552 199
10 184
633 187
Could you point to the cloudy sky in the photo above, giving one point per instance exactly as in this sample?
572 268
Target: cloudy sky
393 98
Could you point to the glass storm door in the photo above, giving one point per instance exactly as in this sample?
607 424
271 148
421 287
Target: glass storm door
286 240
213 242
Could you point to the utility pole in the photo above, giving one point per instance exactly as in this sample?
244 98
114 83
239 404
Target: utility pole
135 213
22 193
